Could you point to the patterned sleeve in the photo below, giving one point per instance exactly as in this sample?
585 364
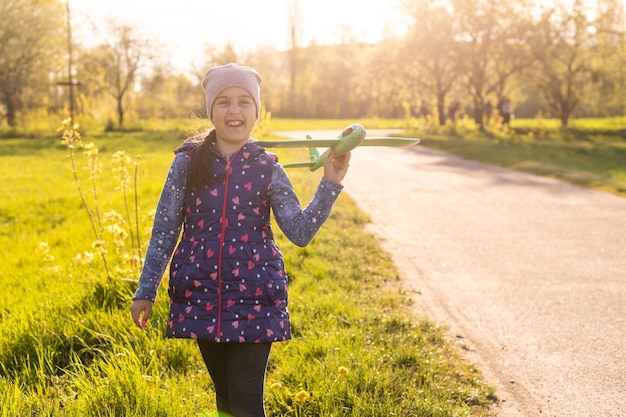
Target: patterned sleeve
300 226
165 229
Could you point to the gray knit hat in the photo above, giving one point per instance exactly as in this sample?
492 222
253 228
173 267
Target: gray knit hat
218 79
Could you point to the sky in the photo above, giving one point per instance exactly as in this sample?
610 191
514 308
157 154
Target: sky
187 27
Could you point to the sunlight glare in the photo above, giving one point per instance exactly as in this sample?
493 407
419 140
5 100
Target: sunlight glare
187 27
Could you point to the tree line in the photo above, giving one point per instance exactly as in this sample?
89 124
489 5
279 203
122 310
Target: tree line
458 56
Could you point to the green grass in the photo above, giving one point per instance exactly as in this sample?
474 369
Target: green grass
67 344
591 153
69 348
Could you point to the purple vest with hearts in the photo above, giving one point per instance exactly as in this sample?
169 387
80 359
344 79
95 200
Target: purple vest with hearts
227 276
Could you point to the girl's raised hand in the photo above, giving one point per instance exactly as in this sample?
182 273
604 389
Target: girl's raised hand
335 169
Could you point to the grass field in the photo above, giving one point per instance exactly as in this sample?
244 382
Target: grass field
68 347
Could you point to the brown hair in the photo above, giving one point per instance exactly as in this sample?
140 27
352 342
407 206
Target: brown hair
200 170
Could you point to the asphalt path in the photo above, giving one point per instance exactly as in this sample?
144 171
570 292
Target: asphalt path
528 274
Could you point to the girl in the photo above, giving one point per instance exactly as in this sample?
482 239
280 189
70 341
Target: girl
228 284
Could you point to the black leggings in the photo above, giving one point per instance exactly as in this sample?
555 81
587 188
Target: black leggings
238 374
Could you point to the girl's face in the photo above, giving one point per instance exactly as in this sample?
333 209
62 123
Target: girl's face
234 116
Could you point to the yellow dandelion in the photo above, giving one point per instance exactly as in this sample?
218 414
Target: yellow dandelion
276 385
343 370
302 396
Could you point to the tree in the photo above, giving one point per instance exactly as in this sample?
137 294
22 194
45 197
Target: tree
114 66
31 40
607 97
335 92
431 65
560 45
489 44
275 88
164 95
223 56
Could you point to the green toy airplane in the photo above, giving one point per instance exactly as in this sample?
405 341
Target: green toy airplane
351 137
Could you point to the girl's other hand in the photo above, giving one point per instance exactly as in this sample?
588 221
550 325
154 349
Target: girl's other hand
140 311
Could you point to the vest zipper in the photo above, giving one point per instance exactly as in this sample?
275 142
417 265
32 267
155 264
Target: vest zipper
224 221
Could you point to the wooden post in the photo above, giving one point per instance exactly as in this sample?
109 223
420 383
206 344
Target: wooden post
70 83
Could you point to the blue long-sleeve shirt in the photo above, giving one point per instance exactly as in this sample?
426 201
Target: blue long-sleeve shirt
299 225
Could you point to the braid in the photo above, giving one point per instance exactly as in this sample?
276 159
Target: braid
200 174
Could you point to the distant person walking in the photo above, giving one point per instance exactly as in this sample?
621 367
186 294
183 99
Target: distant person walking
505 111
453 110
424 110
487 112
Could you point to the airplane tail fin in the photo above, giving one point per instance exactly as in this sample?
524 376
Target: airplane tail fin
314 153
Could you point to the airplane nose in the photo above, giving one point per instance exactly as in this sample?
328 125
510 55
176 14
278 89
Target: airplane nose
352 128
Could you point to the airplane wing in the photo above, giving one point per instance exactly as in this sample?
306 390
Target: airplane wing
389 141
350 138
299 165
328 143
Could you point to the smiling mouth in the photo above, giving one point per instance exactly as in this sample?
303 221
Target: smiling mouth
234 123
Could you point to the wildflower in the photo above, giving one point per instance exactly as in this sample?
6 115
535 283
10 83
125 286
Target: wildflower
302 396
92 158
276 385
65 123
90 150
43 249
119 234
120 158
113 217
133 261
84 257
99 245
71 137
343 370
119 161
